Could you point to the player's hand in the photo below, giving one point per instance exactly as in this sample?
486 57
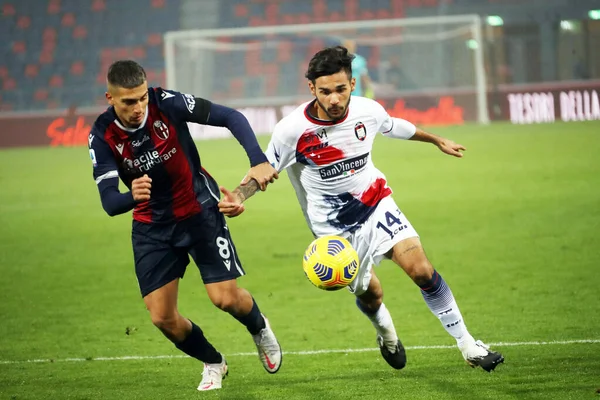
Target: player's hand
263 174
231 205
140 188
449 147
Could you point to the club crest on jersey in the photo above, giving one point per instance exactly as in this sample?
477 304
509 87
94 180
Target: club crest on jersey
360 131
161 130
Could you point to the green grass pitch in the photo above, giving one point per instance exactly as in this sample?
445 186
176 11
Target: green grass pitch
514 228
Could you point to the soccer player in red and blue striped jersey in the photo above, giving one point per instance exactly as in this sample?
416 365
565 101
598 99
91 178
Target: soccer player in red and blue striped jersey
143 139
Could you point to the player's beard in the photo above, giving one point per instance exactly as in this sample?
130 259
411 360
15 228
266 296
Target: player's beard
331 117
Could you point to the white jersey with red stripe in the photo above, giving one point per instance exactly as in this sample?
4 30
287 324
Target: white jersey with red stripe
329 163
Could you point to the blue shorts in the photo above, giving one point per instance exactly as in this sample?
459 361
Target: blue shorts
161 250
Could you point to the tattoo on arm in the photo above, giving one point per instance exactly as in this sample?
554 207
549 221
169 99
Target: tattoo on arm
246 191
411 248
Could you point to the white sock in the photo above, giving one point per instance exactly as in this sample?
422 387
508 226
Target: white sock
453 322
382 321
440 300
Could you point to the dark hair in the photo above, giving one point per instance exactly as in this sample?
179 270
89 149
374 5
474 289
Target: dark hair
126 74
330 61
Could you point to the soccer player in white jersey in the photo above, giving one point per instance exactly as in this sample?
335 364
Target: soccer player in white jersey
325 145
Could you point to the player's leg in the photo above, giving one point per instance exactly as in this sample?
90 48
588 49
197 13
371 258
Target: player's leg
371 304
187 336
410 256
216 258
158 269
371 244
238 302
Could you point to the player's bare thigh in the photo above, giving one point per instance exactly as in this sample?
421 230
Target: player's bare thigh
163 301
410 256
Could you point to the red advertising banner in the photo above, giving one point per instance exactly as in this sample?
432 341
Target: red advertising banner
57 130
73 130
447 110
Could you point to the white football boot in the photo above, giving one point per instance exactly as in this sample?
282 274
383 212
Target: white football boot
269 350
213 375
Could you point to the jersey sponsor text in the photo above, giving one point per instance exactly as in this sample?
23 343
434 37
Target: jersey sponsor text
344 167
149 159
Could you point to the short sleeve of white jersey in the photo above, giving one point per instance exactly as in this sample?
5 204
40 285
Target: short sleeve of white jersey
280 152
393 127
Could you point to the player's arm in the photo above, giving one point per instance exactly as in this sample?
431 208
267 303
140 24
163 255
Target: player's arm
261 171
245 191
445 145
106 176
202 111
399 128
208 113
232 203
280 156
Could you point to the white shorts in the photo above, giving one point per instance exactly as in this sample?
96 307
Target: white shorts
376 236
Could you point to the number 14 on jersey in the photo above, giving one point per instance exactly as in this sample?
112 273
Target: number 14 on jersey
392 224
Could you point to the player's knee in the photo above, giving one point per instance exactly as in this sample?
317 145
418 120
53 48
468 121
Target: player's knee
420 271
226 301
166 322
225 295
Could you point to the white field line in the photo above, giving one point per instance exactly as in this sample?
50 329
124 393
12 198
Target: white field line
300 353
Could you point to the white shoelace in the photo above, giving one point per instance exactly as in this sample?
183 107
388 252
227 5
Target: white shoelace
481 348
389 344
210 374
481 344
267 341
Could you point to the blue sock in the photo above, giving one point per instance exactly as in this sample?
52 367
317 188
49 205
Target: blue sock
253 321
197 346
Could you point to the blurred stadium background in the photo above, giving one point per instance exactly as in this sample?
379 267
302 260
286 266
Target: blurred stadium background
55 52
513 226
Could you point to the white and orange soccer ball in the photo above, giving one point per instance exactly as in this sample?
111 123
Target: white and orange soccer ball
330 263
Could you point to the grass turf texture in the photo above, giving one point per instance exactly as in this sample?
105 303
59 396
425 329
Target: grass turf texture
512 227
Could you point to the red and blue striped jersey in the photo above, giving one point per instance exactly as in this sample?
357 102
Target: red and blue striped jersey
160 147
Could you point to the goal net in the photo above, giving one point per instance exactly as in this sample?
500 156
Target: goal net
419 61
